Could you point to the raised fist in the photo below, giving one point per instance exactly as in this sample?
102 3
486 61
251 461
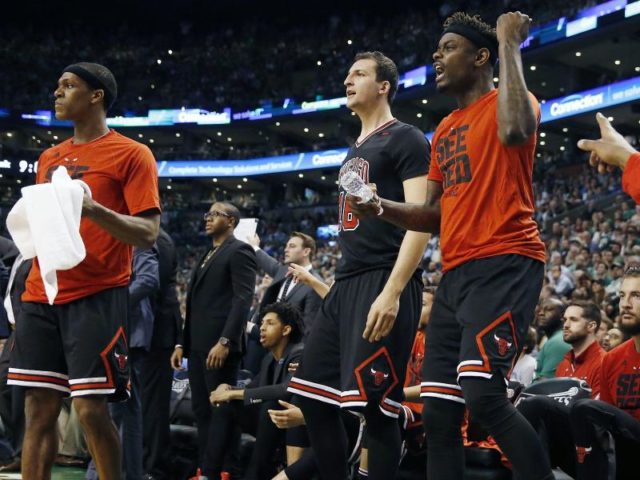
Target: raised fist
513 27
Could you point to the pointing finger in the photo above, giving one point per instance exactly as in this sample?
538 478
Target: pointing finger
603 122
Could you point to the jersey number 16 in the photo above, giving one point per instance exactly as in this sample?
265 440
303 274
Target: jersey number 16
348 221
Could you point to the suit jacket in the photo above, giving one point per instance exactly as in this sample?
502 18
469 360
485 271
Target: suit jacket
143 286
302 296
219 297
168 320
263 388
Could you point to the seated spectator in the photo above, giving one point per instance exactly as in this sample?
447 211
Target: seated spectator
605 325
618 410
554 348
617 271
280 334
549 417
525 367
612 339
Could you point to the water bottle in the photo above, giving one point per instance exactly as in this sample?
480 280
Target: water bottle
354 185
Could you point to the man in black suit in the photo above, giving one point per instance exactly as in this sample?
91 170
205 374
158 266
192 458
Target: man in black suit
156 369
299 250
280 334
218 302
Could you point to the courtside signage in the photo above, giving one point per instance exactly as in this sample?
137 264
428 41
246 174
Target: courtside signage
590 100
258 166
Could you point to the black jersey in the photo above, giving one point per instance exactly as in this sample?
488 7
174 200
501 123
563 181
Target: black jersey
392 153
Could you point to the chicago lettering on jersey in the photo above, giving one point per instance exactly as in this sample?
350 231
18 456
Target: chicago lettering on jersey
452 157
357 165
628 391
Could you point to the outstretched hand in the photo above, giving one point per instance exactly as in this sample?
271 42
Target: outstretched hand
610 150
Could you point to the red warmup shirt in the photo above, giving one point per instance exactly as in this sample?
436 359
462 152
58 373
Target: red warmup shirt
620 384
123 176
488 203
631 177
586 366
414 370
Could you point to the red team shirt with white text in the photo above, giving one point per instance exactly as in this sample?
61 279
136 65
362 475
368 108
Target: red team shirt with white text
487 204
620 385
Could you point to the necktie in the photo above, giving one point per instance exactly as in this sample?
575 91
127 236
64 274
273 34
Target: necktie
285 288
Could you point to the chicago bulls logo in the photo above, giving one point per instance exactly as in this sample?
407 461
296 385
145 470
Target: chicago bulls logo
582 452
378 377
503 345
121 360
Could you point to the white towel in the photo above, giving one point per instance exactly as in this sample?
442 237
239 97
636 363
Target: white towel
45 223
7 298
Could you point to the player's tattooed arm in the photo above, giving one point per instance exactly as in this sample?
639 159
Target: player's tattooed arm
516 117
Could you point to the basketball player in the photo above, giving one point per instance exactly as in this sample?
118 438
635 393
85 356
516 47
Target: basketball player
357 352
77 346
480 196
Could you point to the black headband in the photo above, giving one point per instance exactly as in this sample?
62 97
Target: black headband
477 38
94 82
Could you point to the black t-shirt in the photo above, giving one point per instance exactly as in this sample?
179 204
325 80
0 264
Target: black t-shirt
392 153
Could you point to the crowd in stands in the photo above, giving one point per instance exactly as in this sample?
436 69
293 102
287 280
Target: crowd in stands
166 68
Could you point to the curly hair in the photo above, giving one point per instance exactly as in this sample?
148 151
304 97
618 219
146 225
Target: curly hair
288 315
471 21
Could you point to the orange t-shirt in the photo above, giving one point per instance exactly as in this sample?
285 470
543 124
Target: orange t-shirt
123 177
487 205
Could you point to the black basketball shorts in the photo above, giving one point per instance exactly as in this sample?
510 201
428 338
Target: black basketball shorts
479 320
341 368
78 348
